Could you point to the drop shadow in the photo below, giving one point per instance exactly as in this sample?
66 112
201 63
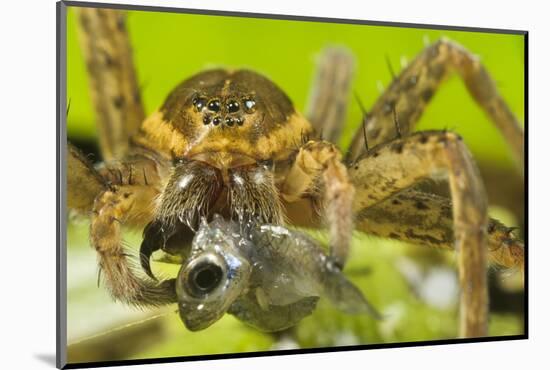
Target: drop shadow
47 358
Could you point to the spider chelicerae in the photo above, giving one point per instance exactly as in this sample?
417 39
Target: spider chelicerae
231 142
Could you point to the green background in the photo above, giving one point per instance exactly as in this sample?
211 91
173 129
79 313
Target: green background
171 47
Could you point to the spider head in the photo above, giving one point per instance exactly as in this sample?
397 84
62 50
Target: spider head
236 112
221 99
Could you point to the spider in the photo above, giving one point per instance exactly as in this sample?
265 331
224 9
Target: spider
231 142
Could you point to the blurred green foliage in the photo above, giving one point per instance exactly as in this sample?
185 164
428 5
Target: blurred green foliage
171 47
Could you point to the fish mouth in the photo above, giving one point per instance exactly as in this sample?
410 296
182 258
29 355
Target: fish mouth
198 319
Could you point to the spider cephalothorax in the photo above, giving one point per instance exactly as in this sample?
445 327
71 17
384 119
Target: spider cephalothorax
218 166
231 142
246 172
225 119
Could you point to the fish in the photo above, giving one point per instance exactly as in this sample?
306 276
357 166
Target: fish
268 276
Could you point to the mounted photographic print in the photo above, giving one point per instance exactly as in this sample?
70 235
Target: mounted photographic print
237 184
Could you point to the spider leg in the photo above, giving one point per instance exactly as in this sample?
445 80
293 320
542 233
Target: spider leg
111 211
421 218
390 168
113 83
330 91
412 90
317 172
84 183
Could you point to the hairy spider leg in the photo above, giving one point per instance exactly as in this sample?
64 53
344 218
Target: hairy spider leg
427 219
318 171
330 92
415 86
390 168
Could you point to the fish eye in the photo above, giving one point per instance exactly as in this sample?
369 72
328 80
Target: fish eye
204 278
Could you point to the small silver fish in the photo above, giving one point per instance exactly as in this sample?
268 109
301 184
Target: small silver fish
267 276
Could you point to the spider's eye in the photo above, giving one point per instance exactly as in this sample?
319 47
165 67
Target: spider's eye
214 105
249 105
204 278
233 106
199 103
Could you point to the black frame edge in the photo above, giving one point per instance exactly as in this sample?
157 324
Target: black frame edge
61 140
526 182
302 351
